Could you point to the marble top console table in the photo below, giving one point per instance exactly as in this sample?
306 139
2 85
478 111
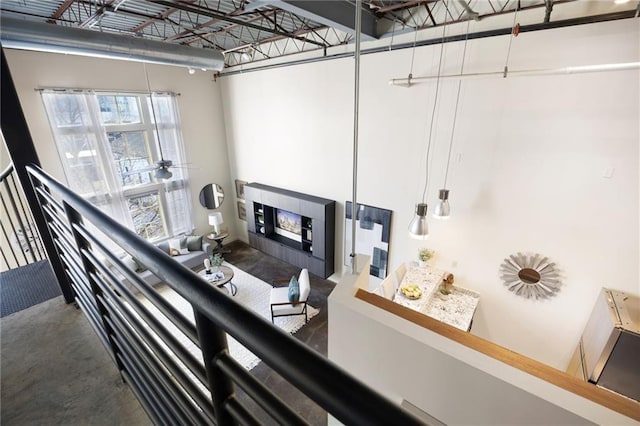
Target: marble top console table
456 308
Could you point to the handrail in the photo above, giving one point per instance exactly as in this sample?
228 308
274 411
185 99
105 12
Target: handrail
339 393
6 172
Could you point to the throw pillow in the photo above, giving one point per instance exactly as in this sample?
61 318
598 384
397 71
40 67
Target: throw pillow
178 246
177 252
164 246
294 290
194 242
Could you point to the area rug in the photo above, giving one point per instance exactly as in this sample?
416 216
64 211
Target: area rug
253 294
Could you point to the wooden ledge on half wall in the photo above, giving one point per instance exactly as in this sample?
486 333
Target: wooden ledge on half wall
606 398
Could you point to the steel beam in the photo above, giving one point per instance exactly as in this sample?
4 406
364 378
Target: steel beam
213 14
60 11
337 14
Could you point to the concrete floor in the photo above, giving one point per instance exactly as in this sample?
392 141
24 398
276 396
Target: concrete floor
54 369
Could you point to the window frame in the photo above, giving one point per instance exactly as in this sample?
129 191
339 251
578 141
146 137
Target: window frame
113 193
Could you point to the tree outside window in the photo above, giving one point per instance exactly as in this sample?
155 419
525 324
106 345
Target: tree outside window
147 216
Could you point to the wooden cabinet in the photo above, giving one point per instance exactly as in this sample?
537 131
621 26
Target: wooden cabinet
294 227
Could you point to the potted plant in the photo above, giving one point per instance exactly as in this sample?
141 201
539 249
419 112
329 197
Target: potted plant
424 254
216 261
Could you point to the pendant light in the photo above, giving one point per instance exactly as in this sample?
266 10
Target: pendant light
443 209
419 228
162 166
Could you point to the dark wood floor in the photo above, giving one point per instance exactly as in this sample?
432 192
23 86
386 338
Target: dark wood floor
314 334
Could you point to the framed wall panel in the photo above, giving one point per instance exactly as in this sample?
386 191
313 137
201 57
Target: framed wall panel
372 236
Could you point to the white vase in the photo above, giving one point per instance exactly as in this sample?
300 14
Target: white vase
422 263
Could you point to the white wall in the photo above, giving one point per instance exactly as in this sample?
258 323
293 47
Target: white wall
526 172
199 105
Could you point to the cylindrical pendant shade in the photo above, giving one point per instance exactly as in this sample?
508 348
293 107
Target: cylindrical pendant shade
442 209
418 228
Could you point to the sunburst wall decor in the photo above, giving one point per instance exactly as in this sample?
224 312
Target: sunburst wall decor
530 275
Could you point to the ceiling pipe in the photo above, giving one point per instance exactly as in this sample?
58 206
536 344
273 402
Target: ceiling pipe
408 82
41 37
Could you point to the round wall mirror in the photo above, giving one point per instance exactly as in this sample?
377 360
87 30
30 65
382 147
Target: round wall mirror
211 196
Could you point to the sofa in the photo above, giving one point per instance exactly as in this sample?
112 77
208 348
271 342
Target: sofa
192 253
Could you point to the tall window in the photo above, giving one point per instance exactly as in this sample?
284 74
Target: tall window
109 144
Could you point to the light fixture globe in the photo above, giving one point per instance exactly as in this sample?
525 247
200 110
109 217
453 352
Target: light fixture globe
162 172
442 209
418 228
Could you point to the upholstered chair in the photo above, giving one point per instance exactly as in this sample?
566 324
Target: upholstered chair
280 303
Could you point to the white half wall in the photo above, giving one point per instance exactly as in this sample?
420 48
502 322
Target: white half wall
447 380
199 104
527 173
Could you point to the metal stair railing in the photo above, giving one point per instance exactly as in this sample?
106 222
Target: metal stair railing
20 242
182 373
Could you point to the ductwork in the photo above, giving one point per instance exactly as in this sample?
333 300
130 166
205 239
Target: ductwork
28 35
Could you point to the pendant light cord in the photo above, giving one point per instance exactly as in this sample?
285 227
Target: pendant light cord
413 53
435 104
455 113
153 110
506 64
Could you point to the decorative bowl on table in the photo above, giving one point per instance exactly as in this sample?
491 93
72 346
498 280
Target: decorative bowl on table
411 291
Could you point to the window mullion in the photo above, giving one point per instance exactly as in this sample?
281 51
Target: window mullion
118 201
150 126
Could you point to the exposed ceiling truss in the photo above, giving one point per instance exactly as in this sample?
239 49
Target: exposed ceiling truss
250 31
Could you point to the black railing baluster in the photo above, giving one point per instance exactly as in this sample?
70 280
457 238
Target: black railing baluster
13 252
44 201
13 228
37 243
6 261
213 341
25 234
82 244
273 405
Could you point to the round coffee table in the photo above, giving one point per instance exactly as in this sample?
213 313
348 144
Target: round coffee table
215 279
